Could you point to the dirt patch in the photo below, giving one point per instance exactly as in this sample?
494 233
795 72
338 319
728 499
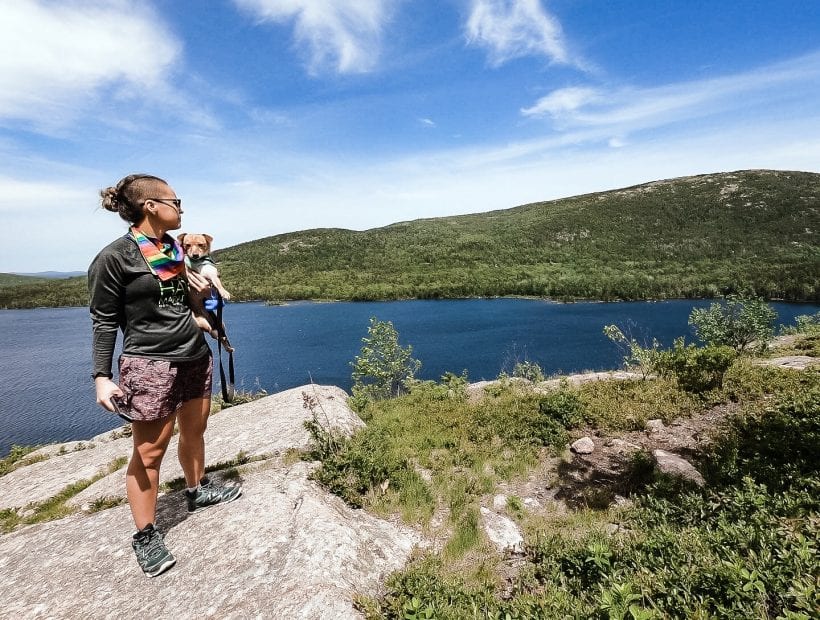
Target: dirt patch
604 477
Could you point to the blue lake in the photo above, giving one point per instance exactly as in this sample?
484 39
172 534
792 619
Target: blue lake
46 393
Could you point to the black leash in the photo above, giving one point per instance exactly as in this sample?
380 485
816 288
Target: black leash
228 391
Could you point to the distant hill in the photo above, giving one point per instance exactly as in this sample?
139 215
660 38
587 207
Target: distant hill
53 275
10 279
701 236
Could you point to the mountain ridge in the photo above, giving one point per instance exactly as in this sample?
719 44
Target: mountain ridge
706 235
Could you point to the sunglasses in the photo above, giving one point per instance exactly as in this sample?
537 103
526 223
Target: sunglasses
176 203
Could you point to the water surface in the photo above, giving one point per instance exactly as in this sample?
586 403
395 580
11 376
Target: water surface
46 392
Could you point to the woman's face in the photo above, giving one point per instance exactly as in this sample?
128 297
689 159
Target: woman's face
164 208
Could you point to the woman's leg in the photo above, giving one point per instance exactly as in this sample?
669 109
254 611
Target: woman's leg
193 420
142 477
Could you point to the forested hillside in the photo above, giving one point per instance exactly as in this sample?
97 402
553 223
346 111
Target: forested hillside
751 231
695 236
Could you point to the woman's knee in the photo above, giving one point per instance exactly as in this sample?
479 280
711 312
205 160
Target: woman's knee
193 418
151 441
148 456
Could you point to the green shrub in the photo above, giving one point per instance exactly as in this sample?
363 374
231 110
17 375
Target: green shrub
564 406
777 446
362 463
627 405
804 324
528 370
747 381
696 369
636 357
547 425
746 546
383 369
737 322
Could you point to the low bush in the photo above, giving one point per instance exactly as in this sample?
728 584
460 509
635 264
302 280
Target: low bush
746 546
777 446
361 464
435 428
627 405
564 406
808 324
696 369
528 370
747 381
738 322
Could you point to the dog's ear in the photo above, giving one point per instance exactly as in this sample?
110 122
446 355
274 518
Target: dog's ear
181 238
208 238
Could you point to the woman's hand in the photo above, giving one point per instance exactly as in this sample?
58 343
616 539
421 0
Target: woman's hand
199 283
106 388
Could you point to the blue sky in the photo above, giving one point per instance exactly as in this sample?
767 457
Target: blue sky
271 116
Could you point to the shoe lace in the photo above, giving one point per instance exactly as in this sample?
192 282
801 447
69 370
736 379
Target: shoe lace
152 546
212 492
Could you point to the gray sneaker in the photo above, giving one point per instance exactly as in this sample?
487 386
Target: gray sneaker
152 555
209 493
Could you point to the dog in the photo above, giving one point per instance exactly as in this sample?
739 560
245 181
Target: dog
197 248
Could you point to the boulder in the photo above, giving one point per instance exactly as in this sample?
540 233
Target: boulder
584 445
502 531
655 426
791 362
285 549
673 465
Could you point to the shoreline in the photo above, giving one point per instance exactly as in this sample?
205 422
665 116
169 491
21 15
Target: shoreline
286 302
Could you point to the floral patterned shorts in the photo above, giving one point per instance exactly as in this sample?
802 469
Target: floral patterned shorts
155 389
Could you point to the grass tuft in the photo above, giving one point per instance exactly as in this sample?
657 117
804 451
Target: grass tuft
55 507
17 458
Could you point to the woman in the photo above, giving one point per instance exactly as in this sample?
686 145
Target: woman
138 284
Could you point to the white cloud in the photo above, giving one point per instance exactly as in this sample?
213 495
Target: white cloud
562 101
344 34
427 122
515 28
54 57
628 109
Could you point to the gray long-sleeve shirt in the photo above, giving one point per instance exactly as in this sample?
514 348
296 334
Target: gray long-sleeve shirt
154 316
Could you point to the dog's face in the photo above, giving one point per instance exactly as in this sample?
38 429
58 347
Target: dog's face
195 245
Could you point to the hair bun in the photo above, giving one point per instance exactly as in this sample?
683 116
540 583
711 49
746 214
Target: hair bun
110 199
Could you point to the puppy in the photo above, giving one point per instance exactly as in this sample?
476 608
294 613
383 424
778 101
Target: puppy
197 249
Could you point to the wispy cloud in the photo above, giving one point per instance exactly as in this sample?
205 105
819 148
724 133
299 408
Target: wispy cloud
342 34
563 101
515 28
627 109
56 57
